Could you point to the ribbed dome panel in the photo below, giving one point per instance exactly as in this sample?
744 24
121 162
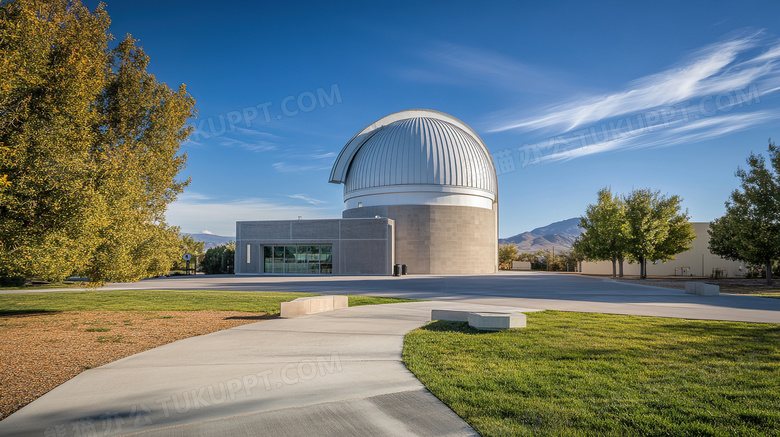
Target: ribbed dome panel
421 151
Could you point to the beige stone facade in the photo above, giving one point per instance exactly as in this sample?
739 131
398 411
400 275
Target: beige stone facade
441 239
698 261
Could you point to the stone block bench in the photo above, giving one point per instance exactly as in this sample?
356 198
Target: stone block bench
482 320
701 289
314 304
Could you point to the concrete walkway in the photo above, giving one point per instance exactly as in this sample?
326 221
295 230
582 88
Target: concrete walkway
329 374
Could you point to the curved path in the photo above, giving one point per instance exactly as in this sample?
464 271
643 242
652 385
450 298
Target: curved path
329 374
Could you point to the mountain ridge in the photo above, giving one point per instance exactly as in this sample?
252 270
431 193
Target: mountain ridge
211 240
560 235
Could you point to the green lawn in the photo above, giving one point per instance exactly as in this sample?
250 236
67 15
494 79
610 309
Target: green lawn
161 300
595 374
355 301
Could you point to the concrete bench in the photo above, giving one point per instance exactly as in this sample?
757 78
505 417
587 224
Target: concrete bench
484 321
450 315
701 289
311 305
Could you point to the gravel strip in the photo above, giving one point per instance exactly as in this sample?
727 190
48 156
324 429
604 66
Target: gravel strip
40 351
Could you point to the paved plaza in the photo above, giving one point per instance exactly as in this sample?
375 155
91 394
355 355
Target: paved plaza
337 373
566 292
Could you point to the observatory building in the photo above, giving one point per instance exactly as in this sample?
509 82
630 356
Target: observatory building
420 189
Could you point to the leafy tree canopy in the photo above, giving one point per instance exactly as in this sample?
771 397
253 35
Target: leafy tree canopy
89 148
220 259
604 230
639 226
506 254
658 229
750 229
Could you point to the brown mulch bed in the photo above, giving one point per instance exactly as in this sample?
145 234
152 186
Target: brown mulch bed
39 351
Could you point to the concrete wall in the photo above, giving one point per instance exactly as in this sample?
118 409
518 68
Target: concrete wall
698 261
441 239
360 246
521 265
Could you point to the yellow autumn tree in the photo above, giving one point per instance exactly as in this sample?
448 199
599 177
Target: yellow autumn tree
89 148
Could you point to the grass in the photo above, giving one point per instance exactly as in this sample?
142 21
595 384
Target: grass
355 300
593 374
161 300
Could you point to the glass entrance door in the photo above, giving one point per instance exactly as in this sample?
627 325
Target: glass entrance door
298 259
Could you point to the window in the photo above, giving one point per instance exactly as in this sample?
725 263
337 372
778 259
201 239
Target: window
298 260
268 256
248 253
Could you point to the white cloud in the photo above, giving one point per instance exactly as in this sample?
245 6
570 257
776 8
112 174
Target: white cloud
713 70
195 211
307 199
453 64
719 90
327 155
288 168
254 146
677 132
247 131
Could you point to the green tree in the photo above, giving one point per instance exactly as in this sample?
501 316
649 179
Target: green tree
569 260
750 229
89 148
530 257
604 231
506 254
187 244
657 228
220 259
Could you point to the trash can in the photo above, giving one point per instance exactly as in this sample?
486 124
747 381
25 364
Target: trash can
396 269
403 269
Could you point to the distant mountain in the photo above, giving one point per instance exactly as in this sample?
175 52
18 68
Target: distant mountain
212 240
559 234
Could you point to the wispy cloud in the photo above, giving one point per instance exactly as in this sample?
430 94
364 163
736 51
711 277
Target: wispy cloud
306 199
674 133
720 89
255 132
286 167
462 65
193 212
326 155
254 146
719 68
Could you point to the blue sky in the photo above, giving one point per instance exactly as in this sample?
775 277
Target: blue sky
568 96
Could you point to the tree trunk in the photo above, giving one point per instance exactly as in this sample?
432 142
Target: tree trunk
613 267
620 262
769 272
642 268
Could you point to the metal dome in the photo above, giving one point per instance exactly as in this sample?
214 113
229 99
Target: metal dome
416 151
